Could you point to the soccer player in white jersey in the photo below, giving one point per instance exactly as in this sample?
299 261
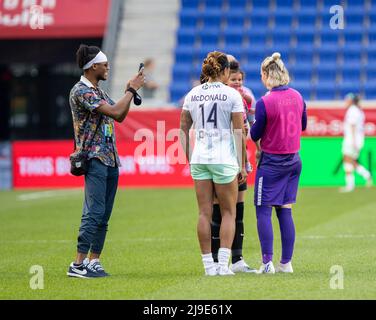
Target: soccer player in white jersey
215 112
353 143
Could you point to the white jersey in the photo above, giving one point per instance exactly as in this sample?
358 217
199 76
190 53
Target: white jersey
211 106
354 117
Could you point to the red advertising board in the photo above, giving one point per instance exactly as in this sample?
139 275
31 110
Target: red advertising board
25 19
150 153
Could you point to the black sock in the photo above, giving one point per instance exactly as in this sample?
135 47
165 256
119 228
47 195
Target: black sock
215 227
77 264
237 245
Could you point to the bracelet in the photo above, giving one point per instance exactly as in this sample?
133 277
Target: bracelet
130 89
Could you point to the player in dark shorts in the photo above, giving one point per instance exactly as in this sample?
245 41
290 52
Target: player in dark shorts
280 119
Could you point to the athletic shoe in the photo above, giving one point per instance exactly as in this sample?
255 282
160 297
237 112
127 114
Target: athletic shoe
225 271
211 271
241 266
81 271
267 268
284 267
96 266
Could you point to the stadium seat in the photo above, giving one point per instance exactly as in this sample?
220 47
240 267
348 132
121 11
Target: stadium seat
238 4
284 4
212 18
235 19
186 36
234 37
216 4
188 19
190 4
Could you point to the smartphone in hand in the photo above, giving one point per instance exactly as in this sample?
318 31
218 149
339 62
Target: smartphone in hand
141 68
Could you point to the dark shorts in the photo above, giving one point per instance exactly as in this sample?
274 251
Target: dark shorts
242 187
277 186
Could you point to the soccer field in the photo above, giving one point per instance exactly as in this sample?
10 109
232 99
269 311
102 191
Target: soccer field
152 251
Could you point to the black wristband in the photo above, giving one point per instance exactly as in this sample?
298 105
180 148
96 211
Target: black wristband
130 89
136 97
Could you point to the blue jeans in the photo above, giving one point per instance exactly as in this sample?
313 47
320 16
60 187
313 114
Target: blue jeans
101 184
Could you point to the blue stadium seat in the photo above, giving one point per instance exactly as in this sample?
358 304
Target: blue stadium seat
186 36
182 71
327 73
347 86
233 37
281 40
304 87
261 4
282 20
257 38
326 90
212 19
352 57
209 36
259 20
330 38
306 21
188 19
282 4
238 4
235 19
305 38
351 74
255 57
352 18
192 4
216 4
301 73
308 6
183 54
353 38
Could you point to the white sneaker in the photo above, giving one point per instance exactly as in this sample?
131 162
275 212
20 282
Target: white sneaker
284 267
266 268
211 271
241 266
225 271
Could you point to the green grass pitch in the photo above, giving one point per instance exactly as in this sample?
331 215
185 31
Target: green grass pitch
152 251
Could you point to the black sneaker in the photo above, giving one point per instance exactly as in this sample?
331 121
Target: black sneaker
96 266
81 271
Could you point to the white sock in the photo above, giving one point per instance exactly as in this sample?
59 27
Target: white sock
207 260
350 181
224 256
363 172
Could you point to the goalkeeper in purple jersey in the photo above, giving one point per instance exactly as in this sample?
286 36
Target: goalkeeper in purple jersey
280 118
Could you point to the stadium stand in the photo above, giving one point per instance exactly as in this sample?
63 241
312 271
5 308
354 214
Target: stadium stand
324 63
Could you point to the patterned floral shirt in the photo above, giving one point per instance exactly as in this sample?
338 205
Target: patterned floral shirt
84 99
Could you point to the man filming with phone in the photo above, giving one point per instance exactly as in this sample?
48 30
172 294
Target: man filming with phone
94 113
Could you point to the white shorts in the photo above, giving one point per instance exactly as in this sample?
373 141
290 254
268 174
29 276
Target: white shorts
350 151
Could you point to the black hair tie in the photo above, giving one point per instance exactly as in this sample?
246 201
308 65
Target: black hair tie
136 97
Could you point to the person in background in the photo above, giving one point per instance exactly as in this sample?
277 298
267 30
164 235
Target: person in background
280 119
151 86
353 143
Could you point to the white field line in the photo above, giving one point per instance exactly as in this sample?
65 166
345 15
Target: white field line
47 194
